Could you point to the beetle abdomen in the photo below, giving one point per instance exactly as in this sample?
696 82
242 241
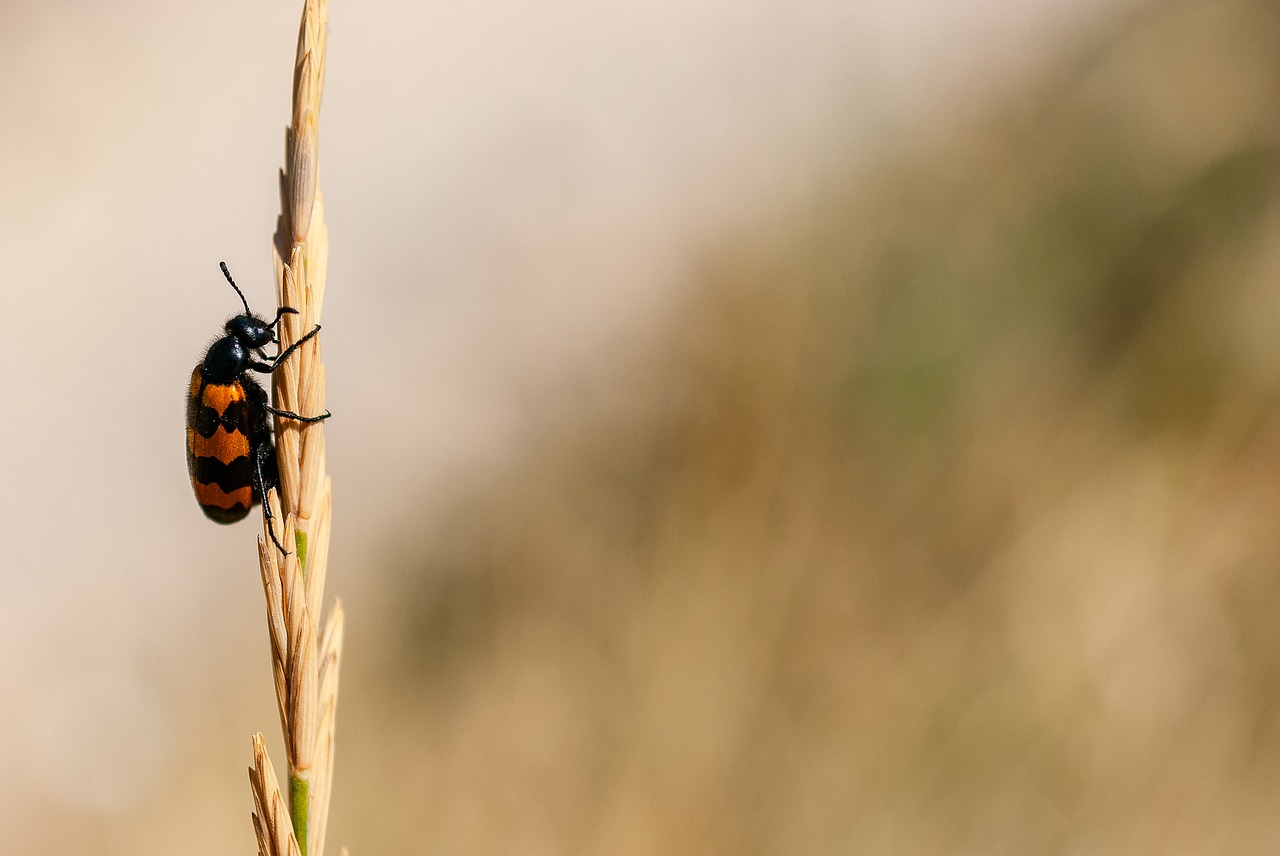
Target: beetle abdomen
221 418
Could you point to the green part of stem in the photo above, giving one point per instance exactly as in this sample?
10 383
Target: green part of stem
300 541
299 806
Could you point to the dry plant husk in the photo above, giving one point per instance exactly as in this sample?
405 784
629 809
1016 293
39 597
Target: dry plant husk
306 649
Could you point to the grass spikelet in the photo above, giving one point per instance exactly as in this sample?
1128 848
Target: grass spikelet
270 820
305 650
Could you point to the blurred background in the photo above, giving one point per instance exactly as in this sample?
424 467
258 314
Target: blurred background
771 428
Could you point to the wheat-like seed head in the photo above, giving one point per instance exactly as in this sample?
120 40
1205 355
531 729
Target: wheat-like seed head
305 658
270 818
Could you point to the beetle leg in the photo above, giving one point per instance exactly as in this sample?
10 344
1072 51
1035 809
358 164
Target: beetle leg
296 417
283 310
267 368
266 504
281 357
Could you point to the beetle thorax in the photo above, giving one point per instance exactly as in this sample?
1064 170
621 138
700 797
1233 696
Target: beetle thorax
226 359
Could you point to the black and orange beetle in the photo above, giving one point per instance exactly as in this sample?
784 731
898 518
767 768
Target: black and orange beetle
230 452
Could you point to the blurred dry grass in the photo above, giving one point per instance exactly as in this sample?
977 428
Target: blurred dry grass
943 519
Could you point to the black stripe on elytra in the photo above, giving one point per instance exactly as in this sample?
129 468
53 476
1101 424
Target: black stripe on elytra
225 515
234 418
230 477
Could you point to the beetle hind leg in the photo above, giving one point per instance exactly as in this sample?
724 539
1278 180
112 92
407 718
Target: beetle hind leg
260 460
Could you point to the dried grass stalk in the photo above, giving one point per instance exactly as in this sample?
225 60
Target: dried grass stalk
270 820
305 662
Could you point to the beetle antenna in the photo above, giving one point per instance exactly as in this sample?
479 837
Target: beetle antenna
227 274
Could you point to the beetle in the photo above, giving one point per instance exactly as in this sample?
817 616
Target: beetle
231 455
